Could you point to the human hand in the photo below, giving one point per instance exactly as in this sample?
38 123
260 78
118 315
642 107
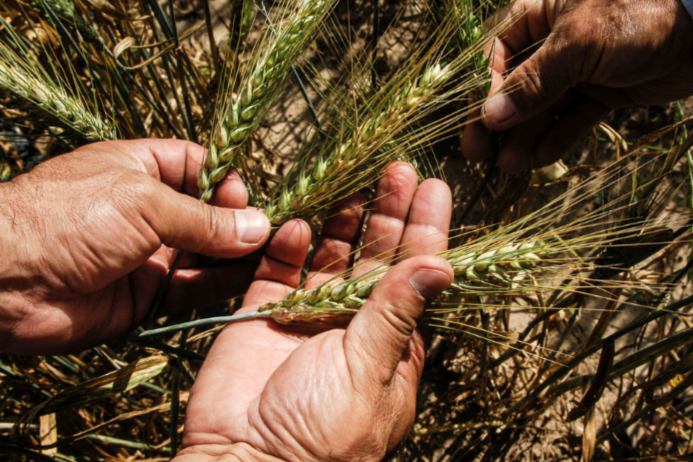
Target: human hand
572 62
87 240
268 392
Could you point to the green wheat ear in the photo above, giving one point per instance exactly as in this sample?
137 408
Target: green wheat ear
258 89
30 88
31 93
388 125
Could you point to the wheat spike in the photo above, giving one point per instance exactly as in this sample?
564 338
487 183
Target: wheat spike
505 262
330 171
385 130
67 12
258 89
475 273
31 90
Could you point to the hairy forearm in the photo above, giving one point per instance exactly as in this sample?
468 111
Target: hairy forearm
239 452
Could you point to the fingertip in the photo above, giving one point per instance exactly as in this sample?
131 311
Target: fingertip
431 277
231 192
477 144
403 169
291 242
396 188
252 227
499 112
512 159
345 220
436 187
280 268
435 194
435 274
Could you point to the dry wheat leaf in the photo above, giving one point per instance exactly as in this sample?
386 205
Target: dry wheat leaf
123 45
107 385
94 390
105 7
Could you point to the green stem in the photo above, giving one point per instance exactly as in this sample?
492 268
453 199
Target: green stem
204 322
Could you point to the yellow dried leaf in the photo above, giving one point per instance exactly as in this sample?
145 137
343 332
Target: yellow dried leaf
97 389
123 45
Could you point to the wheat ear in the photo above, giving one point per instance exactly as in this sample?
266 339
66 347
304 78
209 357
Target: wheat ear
385 130
258 89
475 274
478 273
31 90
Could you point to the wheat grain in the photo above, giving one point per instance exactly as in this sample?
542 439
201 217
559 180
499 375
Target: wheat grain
258 89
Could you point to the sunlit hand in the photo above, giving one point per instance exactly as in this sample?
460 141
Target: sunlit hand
266 392
87 238
569 63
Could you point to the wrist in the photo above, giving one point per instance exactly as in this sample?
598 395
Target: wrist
238 452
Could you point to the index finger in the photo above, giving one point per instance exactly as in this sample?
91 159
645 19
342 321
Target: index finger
388 218
176 163
524 23
429 220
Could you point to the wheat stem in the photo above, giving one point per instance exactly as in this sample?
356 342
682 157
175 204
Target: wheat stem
201 323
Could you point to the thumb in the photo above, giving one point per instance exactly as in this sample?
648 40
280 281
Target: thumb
379 334
185 223
534 86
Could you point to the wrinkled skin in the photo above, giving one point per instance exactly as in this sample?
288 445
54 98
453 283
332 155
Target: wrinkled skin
267 392
86 241
560 66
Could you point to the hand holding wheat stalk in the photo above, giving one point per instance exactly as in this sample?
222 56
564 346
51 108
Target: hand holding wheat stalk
593 252
255 366
528 255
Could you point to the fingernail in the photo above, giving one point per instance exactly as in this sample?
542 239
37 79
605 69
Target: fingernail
499 109
251 226
429 283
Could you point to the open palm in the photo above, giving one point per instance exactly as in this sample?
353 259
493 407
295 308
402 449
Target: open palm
347 394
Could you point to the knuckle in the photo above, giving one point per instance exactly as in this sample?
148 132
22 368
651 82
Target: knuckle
532 88
401 323
134 190
214 223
